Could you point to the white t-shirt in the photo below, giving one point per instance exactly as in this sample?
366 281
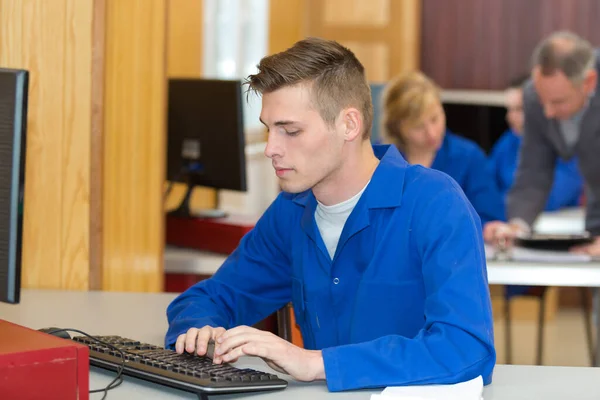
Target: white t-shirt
331 220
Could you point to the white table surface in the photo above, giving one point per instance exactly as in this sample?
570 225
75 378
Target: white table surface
142 316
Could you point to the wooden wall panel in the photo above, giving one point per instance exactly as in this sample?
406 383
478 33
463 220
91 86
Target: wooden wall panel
184 38
97 147
474 44
356 12
375 56
134 140
388 33
53 41
287 23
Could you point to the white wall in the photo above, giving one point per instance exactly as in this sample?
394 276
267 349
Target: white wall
261 181
235 39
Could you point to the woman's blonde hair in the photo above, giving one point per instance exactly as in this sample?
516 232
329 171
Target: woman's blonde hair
405 100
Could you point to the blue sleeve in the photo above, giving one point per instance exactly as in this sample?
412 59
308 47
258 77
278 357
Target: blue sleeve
537 159
499 165
481 188
456 342
567 187
253 282
493 164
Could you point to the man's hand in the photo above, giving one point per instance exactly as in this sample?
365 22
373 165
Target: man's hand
279 354
593 249
501 234
197 339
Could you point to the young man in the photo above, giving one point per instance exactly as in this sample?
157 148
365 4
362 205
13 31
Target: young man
383 262
562 119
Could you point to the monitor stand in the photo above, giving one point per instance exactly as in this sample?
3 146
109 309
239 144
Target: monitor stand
184 210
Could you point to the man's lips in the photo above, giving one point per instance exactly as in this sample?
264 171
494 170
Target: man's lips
282 171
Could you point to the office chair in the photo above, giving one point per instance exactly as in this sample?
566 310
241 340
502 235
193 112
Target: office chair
540 292
284 322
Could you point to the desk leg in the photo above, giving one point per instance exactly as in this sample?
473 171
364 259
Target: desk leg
596 316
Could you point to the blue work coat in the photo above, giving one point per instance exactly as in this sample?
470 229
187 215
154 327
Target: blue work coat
567 187
466 163
404 301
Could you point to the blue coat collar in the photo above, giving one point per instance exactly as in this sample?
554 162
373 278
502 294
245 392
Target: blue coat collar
386 186
384 191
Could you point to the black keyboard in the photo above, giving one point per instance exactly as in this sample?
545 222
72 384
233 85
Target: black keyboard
188 372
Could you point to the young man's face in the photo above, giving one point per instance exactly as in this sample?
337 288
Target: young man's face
513 100
305 151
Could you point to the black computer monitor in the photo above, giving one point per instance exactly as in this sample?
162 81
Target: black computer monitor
205 145
13 118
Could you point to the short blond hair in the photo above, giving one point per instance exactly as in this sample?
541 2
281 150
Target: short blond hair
406 99
335 76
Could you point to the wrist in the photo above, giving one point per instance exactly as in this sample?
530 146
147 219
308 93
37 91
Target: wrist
317 364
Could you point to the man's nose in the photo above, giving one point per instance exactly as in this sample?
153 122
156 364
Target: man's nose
549 111
272 148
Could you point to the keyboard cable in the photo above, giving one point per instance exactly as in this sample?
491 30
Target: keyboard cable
118 379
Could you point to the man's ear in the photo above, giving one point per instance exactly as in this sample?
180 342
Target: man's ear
352 120
590 81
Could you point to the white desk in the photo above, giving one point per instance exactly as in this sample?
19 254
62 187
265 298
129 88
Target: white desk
562 274
142 316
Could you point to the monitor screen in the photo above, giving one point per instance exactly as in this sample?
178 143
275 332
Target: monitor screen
205 142
376 97
13 117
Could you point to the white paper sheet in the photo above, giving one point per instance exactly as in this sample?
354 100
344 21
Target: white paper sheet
469 390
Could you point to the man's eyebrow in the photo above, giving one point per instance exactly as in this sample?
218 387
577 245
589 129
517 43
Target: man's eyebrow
280 123
283 123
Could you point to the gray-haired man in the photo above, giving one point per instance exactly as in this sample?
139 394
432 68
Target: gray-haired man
562 119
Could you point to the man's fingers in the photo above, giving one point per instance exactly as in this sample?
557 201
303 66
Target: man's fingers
489 231
190 339
217 332
230 356
582 249
262 350
204 335
242 337
238 330
180 343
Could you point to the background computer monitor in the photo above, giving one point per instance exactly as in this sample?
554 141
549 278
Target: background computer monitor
205 139
13 117
376 97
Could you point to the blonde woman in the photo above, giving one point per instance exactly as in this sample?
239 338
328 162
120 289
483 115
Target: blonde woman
414 121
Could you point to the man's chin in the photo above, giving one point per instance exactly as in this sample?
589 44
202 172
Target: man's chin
292 188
